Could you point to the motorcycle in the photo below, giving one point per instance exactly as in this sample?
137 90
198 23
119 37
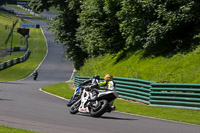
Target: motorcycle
97 105
35 75
75 97
79 90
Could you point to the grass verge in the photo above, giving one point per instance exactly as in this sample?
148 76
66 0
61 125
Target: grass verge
6 22
179 68
181 115
5 129
37 47
61 89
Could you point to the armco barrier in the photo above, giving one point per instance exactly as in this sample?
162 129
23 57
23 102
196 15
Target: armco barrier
14 61
133 89
24 48
175 95
156 94
78 80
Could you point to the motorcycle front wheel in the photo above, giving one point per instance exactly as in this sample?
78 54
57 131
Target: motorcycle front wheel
72 101
74 107
100 109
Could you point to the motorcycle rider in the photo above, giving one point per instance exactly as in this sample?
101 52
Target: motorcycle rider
108 84
93 81
35 74
77 93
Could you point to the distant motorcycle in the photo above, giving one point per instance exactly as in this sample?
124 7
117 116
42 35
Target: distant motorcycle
35 75
75 97
97 106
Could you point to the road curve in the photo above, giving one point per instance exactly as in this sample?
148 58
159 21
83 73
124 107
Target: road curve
22 105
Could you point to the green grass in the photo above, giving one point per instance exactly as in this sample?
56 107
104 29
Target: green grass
5 129
6 22
37 46
14 55
174 114
180 68
181 115
16 7
61 89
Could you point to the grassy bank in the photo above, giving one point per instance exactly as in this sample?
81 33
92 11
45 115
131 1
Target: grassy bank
37 47
181 115
36 43
6 22
5 129
62 89
179 68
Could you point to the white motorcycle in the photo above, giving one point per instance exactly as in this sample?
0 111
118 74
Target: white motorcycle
94 105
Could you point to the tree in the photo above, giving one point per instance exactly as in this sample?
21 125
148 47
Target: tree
2 2
160 26
95 27
99 27
64 26
87 28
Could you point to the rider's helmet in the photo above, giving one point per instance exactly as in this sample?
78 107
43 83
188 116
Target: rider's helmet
108 77
96 77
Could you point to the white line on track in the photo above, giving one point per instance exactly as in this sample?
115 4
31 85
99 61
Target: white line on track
127 113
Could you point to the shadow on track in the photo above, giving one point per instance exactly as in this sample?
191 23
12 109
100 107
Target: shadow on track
11 83
117 118
6 99
108 117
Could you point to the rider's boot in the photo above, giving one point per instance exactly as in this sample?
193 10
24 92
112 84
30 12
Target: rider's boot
111 108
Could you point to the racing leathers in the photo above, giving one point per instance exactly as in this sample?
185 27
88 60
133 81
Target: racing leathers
93 81
108 85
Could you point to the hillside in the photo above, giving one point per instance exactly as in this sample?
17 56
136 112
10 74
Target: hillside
6 22
37 49
179 68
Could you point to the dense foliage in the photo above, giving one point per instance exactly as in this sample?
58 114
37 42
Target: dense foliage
99 27
160 24
3 2
96 27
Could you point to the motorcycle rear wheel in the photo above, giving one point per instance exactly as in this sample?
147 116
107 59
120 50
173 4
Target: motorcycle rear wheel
100 110
74 107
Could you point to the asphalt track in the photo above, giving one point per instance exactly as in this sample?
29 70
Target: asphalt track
22 105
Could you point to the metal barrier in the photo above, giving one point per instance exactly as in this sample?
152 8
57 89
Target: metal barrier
78 80
14 61
175 95
156 94
133 89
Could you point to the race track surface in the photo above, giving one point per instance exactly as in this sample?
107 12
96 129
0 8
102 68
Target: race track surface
22 105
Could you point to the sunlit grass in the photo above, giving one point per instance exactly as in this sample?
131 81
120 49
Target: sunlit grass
181 115
6 129
37 47
180 68
6 22
61 89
